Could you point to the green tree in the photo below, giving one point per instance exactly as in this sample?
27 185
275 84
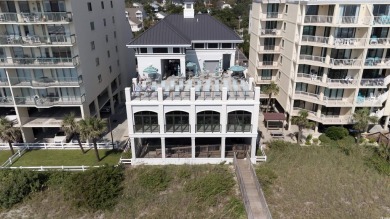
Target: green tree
362 119
92 128
173 9
9 133
302 122
71 127
271 89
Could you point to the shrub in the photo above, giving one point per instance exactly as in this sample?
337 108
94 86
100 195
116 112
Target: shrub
17 184
380 164
280 145
307 143
127 154
266 177
336 132
155 179
206 188
371 140
325 139
309 137
236 207
315 141
97 188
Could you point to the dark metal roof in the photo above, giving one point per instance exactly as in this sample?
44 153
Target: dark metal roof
177 30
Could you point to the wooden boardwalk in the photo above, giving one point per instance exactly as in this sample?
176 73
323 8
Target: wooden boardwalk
257 205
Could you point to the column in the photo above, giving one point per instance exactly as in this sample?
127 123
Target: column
223 145
386 123
193 147
132 146
111 99
316 128
97 109
163 148
253 150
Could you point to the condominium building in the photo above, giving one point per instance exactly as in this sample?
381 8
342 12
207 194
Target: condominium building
61 56
329 57
183 108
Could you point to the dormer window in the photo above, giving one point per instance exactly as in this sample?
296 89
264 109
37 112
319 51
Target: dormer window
188 6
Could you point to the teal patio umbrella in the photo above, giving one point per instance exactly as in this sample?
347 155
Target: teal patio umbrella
237 68
192 65
151 71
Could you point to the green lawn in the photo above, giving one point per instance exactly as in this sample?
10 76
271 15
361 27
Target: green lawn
4 155
67 158
324 182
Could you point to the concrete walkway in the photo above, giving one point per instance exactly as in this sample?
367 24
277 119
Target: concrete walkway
257 208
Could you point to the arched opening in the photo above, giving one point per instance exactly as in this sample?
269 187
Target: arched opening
177 121
239 121
146 121
208 121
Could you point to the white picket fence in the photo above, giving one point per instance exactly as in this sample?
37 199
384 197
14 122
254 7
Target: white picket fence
63 168
11 159
71 146
126 149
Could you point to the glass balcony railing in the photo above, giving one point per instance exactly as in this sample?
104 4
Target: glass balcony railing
36 17
37 40
49 100
6 101
202 128
4 82
177 128
147 128
239 128
45 81
39 61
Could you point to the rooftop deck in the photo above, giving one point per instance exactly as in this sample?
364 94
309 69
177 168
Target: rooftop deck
204 87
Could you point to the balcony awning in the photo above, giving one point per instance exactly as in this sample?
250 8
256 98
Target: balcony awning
274 117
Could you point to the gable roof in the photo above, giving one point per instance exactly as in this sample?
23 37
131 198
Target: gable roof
177 30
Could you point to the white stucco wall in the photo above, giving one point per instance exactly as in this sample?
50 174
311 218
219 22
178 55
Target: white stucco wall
200 55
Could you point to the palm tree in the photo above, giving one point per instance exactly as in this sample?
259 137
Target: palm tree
8 133
271 89
92 128
71 127
302 122
362 119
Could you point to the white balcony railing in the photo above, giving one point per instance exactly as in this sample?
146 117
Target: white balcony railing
366 20
377 62
372 82
349 42
40 61
268 64
274 32
337 101
37 40
45 81
49 101
379 41
346 62
336 118
307 95
272 15
348 81
315 39
36 17
269 48
312 58
318 19
309 77
372 100
381 20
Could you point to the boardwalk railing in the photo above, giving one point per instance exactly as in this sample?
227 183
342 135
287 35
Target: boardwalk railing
14 157
48 168
71 146
242 188
262 157
259 190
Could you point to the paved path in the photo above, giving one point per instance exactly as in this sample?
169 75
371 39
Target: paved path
250 188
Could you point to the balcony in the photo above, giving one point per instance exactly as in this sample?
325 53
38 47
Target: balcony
203 128
345 63
349 42
311 97
381 20
150 128
318 19
39 62
372 100
35 18
336 119
373 82
337 102
180 128
6 101
32 41
49 101
238 128
378 113
377 63
354 20
379 42
267 64
44 82
269 49
4 82
312 59
271 16
309 78
270 32
307 39
346 82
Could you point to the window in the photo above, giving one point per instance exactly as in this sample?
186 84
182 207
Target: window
92 24
281 59
312 10
239 121
212 45
286 9
188 6
117 62
104 22
113 19
89 6
93 45
282 43
199 45
108 54
115 34
266 74
306 50
284 26
97 61
106 38
160 50
112 5
226 45
279 75
309 30
102 3
146 51
110 69
330 111
146 121
100 78
345 32
208 121
301 87
141 50
334 94
177 121
176 50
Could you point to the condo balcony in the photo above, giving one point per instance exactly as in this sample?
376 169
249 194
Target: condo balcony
4 82
35 40
347 82
355 20
39 62
375 82
35 18
346 63
267 64
377 62
383 20
269 49
312 60
270 32
324 119
45 82
338 102
318 19
315 40
379 42
49 101
372 100
309 78
311 97
349 42
6 101
271 16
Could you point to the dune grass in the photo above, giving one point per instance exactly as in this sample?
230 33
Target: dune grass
324 182
67 158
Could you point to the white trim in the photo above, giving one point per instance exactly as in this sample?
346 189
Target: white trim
170 45
217 41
